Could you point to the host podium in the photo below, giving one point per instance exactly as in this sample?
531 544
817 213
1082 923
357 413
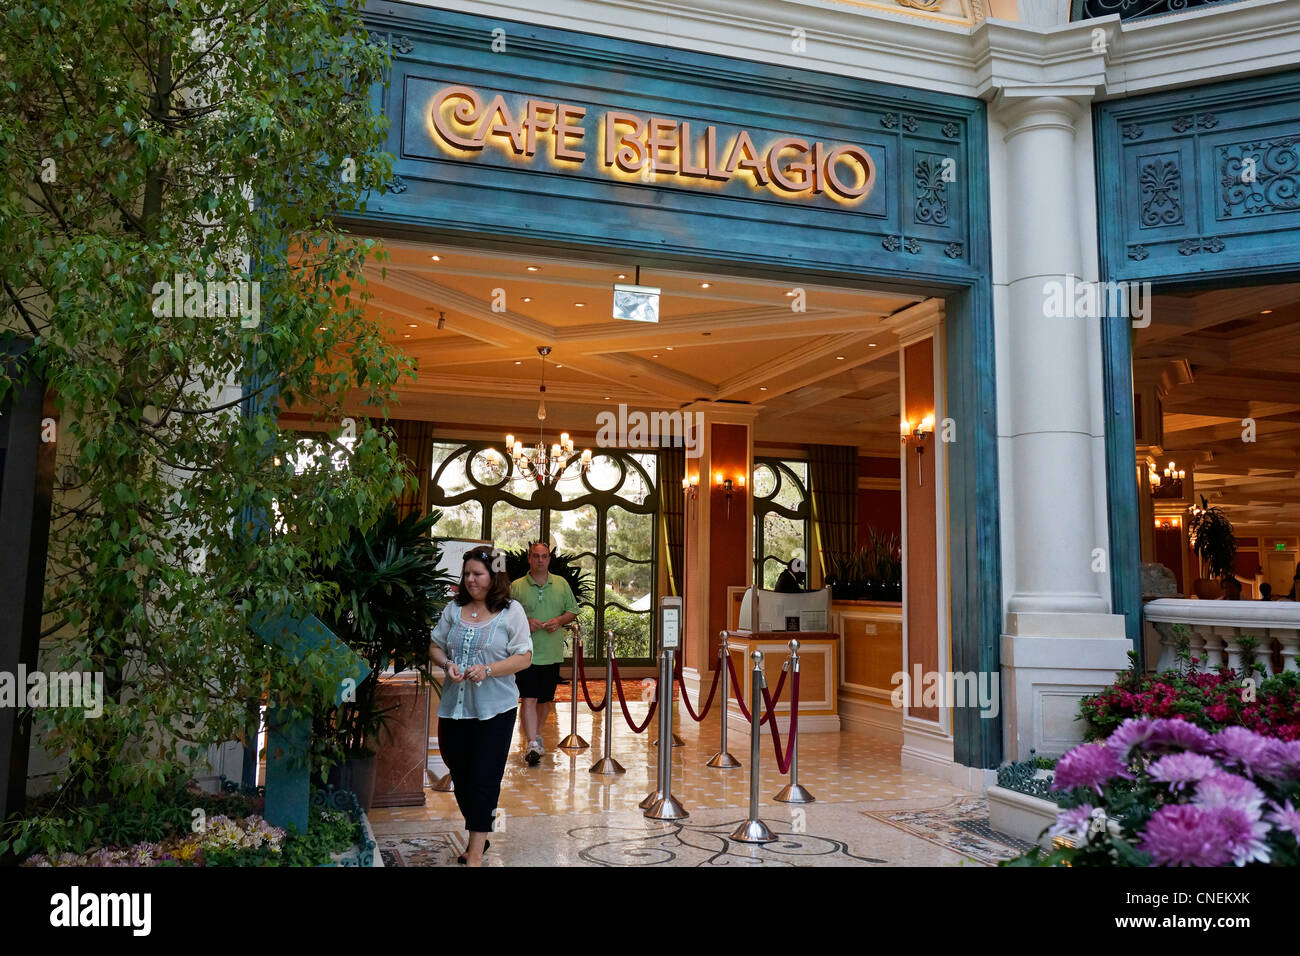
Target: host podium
818 671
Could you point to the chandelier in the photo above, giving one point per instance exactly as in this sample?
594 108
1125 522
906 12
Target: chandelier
535 463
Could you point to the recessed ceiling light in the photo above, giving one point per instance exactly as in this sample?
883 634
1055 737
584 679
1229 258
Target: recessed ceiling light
412 325
789 294
579 305
656 355
871 345
559 366
528 298
839 358
670 348
436 258
519 363
762 388
406 335
704 285
622 276
534 269
1267 312
606 398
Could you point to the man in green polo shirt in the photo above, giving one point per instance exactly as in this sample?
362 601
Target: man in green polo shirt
550 605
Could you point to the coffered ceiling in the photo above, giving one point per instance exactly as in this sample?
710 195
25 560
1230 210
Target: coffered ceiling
825 373
1227 356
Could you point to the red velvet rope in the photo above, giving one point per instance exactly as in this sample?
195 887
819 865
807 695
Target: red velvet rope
618 684
783 765
677 674
735 684
582 680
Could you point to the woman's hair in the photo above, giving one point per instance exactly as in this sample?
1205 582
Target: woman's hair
498 595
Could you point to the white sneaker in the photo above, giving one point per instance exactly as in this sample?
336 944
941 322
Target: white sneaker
533 756
541 747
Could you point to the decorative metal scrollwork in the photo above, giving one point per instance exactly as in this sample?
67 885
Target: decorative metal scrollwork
1161 183
1132 9
1259 177
931 191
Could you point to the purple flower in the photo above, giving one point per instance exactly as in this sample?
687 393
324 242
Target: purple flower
1283 758
1131 733
1180 769
1243 834
1088 765
1228 790
1181 735
1072 825
1286 817
1181 834
1241 747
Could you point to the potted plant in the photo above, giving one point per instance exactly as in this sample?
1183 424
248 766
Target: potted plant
390 592
1213 540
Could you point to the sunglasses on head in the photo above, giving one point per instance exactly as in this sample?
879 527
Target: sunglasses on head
479 555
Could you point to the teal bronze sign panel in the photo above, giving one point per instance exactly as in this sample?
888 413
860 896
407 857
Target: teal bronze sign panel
1208 178
512 130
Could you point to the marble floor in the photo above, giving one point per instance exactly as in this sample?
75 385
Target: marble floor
869 811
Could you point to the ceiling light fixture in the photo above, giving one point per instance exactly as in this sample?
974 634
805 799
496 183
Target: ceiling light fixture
528 298
839 358
436 258
535 464
704 285
534 269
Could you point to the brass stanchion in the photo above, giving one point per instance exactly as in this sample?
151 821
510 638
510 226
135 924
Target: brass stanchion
607 765
722 759
754 830
665 806
792 792
573 741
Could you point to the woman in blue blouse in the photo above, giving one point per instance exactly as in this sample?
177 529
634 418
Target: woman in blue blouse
481 642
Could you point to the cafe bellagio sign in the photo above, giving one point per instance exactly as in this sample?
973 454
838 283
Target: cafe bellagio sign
630 146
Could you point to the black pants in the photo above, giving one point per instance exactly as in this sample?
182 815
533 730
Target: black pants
475 751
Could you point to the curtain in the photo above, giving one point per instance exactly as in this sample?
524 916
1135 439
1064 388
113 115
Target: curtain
672 507
415 445
833 477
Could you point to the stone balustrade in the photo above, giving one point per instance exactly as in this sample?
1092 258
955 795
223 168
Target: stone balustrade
1217 627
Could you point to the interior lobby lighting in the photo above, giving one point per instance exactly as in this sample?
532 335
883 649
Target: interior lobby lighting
579 305
436 258
1266 312
534 269
871 345
916 435
528 298
839 358
704 285
411 325
535 463
762 388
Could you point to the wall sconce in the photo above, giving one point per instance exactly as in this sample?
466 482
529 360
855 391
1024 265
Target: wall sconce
729 486
917 435
691 487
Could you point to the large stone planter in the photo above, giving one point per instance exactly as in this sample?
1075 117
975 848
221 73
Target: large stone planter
403 743
1020 815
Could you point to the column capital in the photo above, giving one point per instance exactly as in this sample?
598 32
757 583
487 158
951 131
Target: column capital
1021 110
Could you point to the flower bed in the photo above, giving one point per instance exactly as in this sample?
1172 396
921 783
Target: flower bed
193 828
1210 700
1166 792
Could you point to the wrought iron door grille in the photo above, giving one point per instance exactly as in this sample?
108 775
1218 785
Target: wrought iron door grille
1133 9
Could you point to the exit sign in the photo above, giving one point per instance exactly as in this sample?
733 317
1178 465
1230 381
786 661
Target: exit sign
1280 546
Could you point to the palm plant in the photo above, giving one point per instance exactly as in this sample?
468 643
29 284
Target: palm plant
562 565
1213 540
390 592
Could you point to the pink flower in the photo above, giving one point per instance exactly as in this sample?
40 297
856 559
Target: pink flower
1244 748
1131 733
1180 769
1228 790
1286 817
1244 835
1072 825
1088 765
1181 834
1181 735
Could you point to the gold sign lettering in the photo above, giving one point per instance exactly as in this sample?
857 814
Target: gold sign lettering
650 146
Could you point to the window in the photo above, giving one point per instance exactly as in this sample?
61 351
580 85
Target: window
782 515
603 521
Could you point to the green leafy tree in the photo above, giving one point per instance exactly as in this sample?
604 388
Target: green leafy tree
168 176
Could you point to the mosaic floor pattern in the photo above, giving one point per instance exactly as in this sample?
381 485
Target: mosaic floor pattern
869 811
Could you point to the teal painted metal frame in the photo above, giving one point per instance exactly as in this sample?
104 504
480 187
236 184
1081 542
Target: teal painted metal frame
1194 129
882 250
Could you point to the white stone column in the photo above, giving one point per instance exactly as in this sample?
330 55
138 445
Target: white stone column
1061 640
